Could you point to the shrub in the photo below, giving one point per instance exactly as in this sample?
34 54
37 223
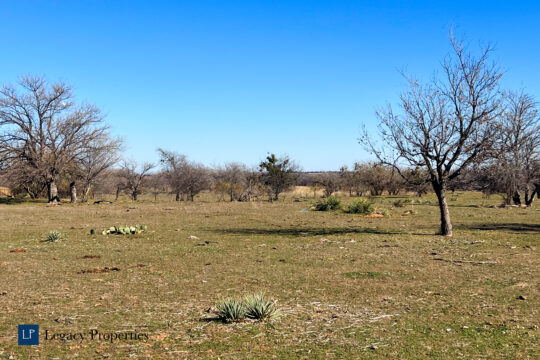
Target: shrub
258 307
384 212
361 206
330 203
54 236
402 202
231 310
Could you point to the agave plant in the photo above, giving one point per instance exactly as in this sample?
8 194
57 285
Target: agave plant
54 236
231 310
259 307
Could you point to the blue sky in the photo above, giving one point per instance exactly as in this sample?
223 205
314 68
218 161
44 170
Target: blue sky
232 80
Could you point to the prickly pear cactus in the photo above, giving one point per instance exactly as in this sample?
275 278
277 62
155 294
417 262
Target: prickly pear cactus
125 230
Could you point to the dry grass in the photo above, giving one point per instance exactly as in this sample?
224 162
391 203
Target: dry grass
347 286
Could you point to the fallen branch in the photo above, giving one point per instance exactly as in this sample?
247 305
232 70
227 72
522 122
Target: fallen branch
467 262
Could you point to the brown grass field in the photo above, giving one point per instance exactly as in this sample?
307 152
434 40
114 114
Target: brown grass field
346 286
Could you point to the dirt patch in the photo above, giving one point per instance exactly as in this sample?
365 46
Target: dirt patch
98 270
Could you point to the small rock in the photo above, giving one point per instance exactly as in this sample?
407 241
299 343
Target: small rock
448 330
193 237
521 297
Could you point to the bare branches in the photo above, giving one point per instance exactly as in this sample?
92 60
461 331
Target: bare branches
43 128
445 124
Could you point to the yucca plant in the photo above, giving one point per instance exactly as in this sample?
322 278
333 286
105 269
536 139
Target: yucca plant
54 236
259 307
231 310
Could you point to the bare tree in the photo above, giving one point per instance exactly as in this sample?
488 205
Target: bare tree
101 155
446 124
157 183
184 177
347 180
515 166
195 179
23 179
233 179
278 174
174 165
133 178
43 127
329 182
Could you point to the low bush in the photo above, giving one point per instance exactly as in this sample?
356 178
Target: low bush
402 202
330 203
362 207
383 212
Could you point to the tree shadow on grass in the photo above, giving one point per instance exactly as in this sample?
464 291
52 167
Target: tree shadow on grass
312 231
10 200
517 227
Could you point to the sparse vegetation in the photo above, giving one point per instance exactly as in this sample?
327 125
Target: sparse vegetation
392 295
362 207
54 236
327 204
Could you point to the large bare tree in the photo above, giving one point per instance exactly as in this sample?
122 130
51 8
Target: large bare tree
445 124
42 126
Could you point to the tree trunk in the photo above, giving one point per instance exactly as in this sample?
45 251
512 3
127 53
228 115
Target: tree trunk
446 225
516 198
117 193
535 191
86 191
52 192
177 196
73 191
134 195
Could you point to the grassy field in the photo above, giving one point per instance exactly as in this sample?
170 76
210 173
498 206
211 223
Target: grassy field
347 286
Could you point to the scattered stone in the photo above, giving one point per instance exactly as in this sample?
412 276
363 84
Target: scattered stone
521 297
193 237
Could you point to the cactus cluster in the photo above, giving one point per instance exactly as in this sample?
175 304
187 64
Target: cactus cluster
124 230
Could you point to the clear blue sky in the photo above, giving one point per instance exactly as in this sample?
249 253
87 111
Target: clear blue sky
233 80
